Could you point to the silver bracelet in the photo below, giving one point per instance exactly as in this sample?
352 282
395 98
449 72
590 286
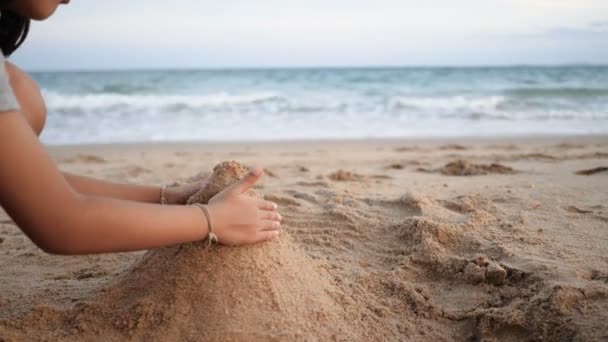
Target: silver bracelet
163 199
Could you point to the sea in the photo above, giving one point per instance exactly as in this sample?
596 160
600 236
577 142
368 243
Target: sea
322 103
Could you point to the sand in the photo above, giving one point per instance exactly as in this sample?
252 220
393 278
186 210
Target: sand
373 249
224 174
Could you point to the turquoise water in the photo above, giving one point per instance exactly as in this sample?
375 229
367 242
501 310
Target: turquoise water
224 105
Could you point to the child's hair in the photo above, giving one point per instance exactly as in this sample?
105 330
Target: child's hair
13 30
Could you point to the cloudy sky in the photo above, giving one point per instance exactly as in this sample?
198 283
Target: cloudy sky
121 34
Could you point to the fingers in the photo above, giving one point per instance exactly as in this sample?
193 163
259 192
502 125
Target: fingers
250 179
270 230
267 205
266 235
270 225
270 215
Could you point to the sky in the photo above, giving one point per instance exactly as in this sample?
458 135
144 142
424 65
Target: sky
149 34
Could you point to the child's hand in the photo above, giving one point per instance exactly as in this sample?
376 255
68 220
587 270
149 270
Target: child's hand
239 219
181 193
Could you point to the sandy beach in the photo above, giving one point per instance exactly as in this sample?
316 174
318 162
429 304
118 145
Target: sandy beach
427 240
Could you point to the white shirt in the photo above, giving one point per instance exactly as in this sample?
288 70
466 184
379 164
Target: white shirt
8 101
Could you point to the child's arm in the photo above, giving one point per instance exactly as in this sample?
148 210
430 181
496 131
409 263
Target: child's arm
139 193
89 186
60 220
32 106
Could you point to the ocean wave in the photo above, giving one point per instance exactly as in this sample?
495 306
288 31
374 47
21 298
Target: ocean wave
450 103
469 107
112 102
233 104
497 107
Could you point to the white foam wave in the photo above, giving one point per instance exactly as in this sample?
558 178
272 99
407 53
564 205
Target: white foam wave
451 103
94 102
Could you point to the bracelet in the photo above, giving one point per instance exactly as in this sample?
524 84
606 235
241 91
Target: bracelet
163 199
212 238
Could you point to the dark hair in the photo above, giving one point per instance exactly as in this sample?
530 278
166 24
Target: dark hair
13 30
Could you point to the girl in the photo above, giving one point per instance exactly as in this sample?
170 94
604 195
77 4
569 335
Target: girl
69 214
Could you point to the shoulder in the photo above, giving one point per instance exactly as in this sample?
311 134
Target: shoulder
17 76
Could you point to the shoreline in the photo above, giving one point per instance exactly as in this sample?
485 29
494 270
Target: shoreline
538 138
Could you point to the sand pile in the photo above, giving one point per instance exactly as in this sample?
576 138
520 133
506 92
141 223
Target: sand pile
270 291
190 292
265 292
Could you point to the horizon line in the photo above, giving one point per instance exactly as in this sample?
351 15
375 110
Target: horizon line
325 67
